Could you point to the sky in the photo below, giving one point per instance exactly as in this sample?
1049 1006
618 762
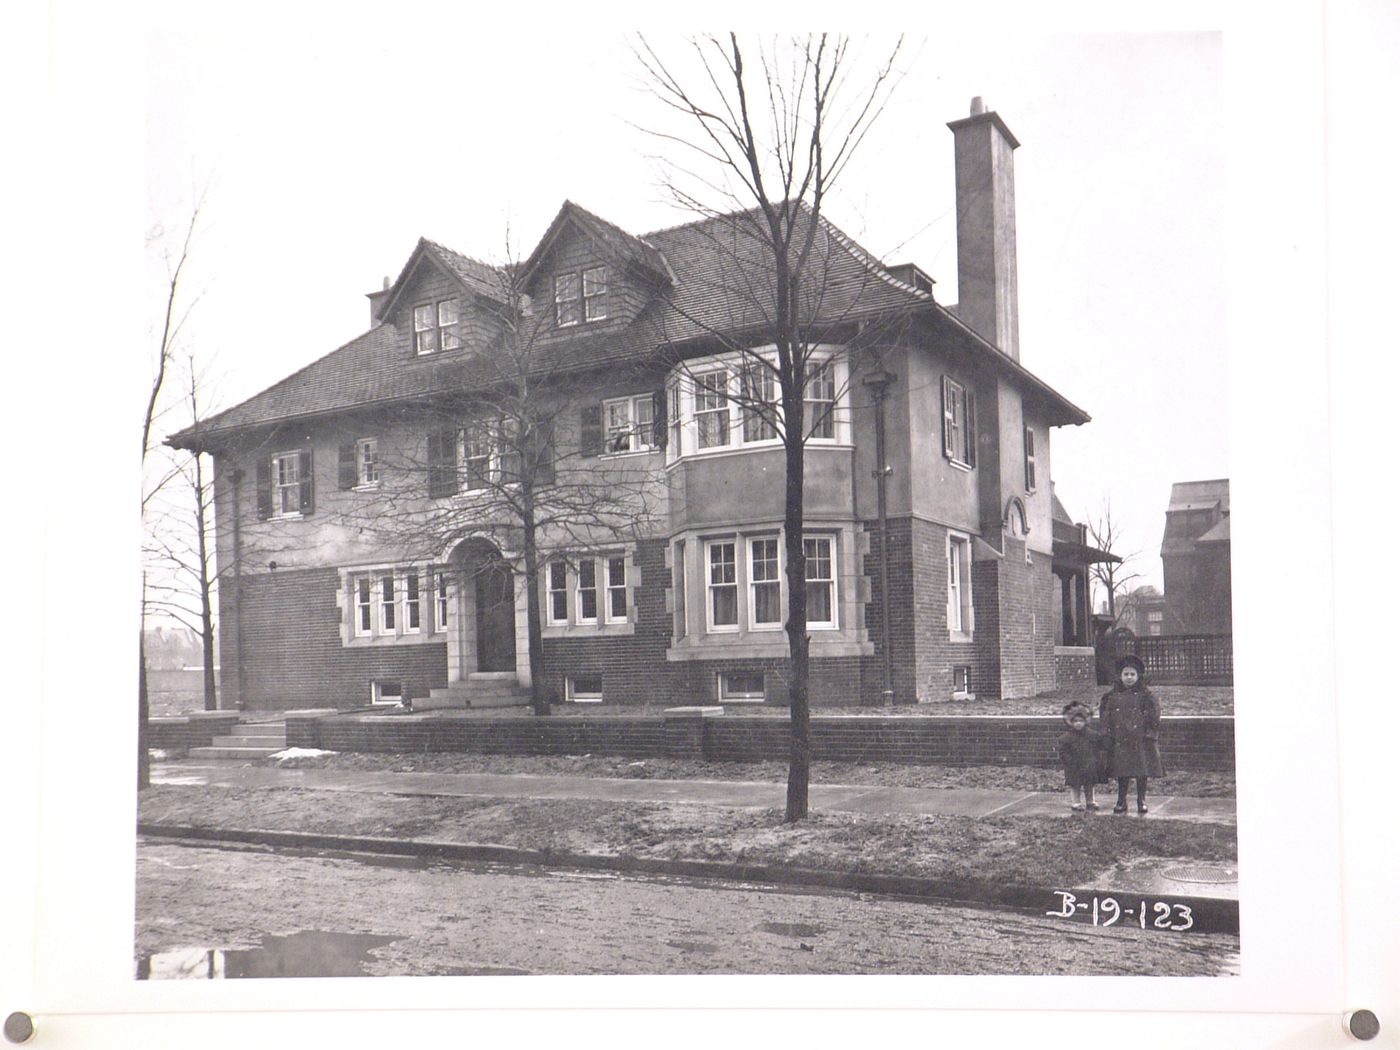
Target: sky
322 151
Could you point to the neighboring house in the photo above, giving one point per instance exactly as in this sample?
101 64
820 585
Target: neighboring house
690 608
1196 559
1143 611
1072 557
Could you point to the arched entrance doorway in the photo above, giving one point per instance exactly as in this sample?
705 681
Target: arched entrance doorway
495 613
486 624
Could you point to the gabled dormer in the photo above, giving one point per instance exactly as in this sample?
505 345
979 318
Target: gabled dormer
442 302
587 275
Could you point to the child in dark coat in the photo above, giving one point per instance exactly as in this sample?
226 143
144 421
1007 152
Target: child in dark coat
1080 755
1129 717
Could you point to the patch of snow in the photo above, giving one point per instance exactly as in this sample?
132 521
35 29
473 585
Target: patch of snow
300 752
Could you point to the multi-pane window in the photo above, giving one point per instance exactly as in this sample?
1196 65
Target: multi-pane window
435 327
581 297
819 401
757 385
364 606
712 408
821 581
595 293
412 610
367 461
440 594
959 439
557 608
1030 460
959 586
765 585
387 604
476 446
617 589
673 407
287 479
723 585
507 448
628 423
587 591
567 309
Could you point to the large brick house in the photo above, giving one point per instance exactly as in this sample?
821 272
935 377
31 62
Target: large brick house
320 608
1196 558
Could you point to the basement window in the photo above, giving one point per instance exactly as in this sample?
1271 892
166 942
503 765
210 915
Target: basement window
741 686
584 689
962 682
385 692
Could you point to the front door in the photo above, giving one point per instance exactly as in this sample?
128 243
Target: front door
495 617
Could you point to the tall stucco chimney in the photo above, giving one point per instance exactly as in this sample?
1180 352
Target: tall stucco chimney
986 200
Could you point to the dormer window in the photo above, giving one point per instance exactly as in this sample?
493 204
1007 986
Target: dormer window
435 327
581 297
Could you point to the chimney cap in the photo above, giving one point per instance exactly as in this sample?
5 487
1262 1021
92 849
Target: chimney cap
982 115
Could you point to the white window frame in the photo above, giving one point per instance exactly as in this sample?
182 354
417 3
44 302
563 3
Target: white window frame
595 298
725 695
412 601
758 383
818 370
830 581
632 426
1028 441
362 604
580 590
439 319
711 586
478 437
366 462
556 572
285 480
439 601
703 386
612 589
388 602
959 556
572 694
698 382
775 584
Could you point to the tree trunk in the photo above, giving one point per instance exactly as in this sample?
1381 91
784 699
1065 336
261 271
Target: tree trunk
539 698
800 758
143 720
206 611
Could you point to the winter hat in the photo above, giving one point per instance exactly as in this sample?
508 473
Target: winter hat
1131 661
1074 709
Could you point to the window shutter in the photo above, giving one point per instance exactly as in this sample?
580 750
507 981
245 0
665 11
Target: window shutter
947 418
348 470
264 488
970 425
591 430
544 454
442 463
659 427
308 502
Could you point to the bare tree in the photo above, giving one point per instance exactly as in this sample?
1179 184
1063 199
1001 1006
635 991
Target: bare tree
765 147
1112 577
178 544
501 443
173 318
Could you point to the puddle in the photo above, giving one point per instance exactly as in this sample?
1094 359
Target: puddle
700 947
309 954
792 929
1172 876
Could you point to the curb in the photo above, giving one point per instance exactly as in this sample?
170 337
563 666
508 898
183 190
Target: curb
1211 914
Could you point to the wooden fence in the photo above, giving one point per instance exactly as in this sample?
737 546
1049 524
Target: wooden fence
1182 659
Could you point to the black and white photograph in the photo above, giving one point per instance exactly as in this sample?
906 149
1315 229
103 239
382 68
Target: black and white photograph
625 502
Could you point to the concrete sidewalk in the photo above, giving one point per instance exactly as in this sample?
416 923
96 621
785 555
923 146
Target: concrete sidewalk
840 798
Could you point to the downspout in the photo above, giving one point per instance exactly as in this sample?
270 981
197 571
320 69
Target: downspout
879 384
238 590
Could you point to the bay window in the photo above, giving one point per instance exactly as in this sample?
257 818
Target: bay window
821 580
765 585
722 588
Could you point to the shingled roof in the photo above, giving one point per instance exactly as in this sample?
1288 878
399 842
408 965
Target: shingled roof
712 275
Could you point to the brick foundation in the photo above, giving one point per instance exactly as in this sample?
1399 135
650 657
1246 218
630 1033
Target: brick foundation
1187 743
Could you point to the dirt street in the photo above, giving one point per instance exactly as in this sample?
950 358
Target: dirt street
488 919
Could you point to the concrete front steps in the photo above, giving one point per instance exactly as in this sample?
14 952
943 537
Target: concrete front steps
248 740
481 689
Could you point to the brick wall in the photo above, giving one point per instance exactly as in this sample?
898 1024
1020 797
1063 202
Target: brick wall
1187 743
1074 665
292 651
